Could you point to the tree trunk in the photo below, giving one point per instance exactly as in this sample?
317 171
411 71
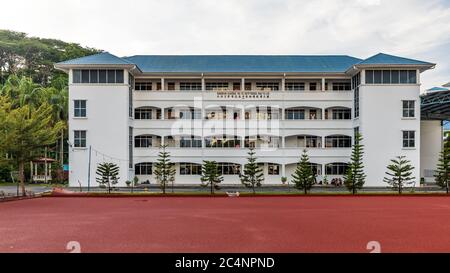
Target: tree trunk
61 150
254 192
22 177
212 188
306 191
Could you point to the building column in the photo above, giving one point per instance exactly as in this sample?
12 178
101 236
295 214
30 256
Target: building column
323 142
203 84
322 167
323 113
163 113
283 142
283 170
243 84
163 84
323 84
283 83
163 140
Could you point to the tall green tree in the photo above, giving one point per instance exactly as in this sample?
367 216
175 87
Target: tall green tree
107 175
164 169
35 57
210 175
304 177
355 178
442 175
26 130
399 173
253 175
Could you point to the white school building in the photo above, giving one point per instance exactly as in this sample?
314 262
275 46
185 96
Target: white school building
217 107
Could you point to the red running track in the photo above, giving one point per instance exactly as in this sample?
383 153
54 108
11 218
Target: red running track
201 224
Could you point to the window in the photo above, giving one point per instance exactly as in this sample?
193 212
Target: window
356 102
216 86
355 132
79 139
309 141
84 76
377 76
143 141
119 76
342 114
295 86
369 76
295 114
143 86
356 80
143 169
190 142
79 108
190 114
336 168
229 168
312 86
338 141
111 76
391 76
395 77
143 113
273 169
403 76
412 76
409 108
76 76
222 142
130 147
190 169
409 139
93 76
188 86
386 76
102 76
341 86
271 86
98 76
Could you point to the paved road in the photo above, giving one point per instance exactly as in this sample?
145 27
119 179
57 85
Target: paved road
13 189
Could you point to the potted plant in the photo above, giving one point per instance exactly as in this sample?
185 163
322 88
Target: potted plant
284 180
128 182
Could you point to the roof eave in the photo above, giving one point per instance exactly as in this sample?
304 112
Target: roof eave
67 67
421 67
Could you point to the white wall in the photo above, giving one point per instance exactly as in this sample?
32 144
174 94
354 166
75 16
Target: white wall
106 124
381 126
430 147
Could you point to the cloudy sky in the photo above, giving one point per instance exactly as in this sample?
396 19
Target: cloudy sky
417 29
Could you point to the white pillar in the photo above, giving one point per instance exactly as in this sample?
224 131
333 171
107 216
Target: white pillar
163 140
163 113
283 170
283 142
323 84
283 84
243 84
323 113
163 84
203 84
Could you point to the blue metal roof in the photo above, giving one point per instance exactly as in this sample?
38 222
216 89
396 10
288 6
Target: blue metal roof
242 63
437 89
97 59
381 58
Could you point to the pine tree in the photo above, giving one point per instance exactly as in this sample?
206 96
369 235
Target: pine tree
164 170
108 175
354 179
210 175
442 175
401 173
303 177
253 174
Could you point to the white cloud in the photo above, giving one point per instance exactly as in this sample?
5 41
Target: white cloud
410 28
